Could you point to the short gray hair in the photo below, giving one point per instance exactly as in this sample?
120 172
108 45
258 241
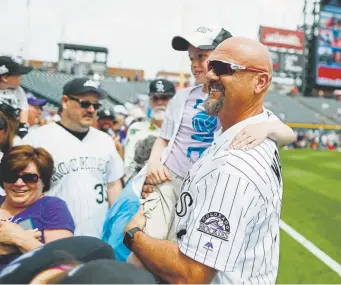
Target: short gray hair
143 150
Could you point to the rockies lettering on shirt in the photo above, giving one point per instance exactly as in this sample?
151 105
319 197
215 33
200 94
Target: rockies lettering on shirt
82 170
227 216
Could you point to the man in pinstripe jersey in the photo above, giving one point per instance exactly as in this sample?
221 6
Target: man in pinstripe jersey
227 216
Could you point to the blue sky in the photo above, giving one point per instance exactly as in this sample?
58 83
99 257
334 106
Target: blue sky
137 33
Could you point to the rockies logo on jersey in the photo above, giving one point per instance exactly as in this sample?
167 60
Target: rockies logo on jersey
215 224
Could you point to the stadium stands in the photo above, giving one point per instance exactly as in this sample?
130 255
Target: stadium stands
328 107
289 109
50 85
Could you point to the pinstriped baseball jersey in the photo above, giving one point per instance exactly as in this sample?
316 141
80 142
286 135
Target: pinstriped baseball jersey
82 170
227 216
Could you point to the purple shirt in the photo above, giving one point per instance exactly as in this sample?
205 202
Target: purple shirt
45 213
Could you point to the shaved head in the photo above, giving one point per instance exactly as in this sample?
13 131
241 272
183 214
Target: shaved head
238 95
245 52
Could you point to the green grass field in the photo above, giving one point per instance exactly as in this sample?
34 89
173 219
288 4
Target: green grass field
312 206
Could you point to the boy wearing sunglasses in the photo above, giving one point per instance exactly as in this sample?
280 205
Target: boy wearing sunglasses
87 165
187 131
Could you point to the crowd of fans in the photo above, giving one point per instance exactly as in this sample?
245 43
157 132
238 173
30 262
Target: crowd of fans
317 139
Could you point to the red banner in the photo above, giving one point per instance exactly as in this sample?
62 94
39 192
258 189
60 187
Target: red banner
281 38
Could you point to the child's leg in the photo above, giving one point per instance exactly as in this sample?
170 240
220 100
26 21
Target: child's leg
160 211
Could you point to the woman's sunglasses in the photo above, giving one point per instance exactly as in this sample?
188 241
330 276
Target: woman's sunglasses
28 178
221 67
85 104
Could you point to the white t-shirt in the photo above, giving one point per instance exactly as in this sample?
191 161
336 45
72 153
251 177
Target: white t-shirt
15 97
195 134
82 169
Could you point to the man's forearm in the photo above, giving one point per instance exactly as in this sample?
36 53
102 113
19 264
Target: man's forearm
114 190
161 257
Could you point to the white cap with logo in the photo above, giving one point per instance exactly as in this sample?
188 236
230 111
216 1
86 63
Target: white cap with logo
201 37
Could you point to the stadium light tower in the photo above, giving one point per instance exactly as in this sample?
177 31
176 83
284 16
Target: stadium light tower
311 12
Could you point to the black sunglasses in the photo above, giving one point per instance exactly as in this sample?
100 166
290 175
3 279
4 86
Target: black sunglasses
221 67
28 178
85 103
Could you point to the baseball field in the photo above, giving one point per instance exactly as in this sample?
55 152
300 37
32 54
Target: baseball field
312 207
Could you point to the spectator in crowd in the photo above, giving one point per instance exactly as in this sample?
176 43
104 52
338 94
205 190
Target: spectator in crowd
88 168
8 127
8 130
119 123
10 90
105 122
161 91
34 111
28 217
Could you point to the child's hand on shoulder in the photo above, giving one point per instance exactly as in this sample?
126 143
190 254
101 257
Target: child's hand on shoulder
250 137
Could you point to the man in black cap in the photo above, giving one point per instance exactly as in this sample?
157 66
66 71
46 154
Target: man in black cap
88 167
10 90
160 93
105 122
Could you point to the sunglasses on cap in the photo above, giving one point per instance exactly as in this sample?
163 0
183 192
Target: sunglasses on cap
221 67
28 178
85 104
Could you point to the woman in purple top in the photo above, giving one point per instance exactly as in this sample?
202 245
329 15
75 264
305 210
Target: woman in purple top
29 219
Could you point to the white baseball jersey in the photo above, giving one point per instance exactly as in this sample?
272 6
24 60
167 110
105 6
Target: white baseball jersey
82 169
15 97
228 213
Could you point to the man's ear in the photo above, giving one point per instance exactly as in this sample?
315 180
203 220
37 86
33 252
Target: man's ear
4 78
65 99
263 81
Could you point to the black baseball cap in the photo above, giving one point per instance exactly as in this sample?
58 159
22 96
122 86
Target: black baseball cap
108 272
205 38
161 87
11 66
106 113
83 85
78 249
